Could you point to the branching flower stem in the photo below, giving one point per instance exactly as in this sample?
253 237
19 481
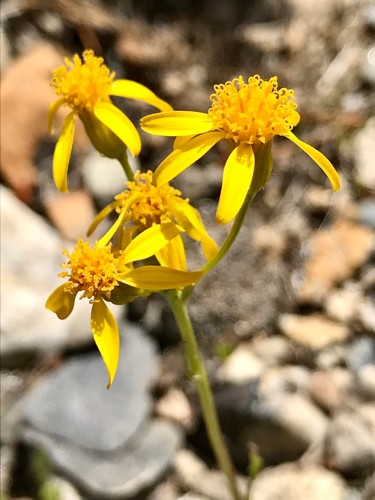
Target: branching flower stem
232 235
201 380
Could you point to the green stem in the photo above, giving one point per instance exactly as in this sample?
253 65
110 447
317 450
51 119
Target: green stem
123 159
235 229
200 377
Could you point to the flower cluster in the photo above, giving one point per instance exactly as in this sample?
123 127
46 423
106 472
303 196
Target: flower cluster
143 251
246 114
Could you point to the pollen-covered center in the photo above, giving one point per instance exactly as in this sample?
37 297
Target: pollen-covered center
93 271
151 204
253 111
83 83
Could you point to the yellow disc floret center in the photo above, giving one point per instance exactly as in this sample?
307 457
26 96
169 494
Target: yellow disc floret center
93 271
254 111
152 204
83 83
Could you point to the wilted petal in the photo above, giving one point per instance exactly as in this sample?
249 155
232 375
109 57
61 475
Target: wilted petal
185 155
150 241
134 90
160 278
106 336
61 302
62 153
237 176
120 125
174 123
319 159
173 254
53 109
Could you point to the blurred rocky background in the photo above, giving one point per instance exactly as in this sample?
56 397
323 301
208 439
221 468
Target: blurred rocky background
286 322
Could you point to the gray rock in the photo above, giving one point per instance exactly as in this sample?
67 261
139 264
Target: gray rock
195 476
366 213
30 262
294 482
120 474
282 425
349 445
361 353
73 404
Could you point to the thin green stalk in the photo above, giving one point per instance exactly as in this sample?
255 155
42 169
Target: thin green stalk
235 229
123 159
200 377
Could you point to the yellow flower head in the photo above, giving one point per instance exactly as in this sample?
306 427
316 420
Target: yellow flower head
248 115
93 271
144 205
82 84
151 204
253 112
100 272
86 86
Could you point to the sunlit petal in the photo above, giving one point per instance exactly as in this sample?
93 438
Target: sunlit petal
120 125
160 278
106 336
237 176
62 153
174 123
319 159
173 254
180 140
101 216
53 109
150 241
134 90
61 302
185 155
189 218
104 240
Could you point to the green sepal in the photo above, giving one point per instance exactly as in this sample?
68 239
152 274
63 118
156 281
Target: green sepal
123 294
263 167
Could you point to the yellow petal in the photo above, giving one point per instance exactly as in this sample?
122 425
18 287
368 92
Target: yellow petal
62 153
61 302
160 278
150 241
106 336
185 155
53 109
134 90
180 140
101 216
237 176
189 218
174 123
120 125
104 240
319 159
173 254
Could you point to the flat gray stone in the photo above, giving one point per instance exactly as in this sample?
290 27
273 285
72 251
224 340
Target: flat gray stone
73 403
121 474
30 262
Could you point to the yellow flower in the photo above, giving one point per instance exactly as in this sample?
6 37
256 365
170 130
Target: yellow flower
102 274
144 205
247 114
85 86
